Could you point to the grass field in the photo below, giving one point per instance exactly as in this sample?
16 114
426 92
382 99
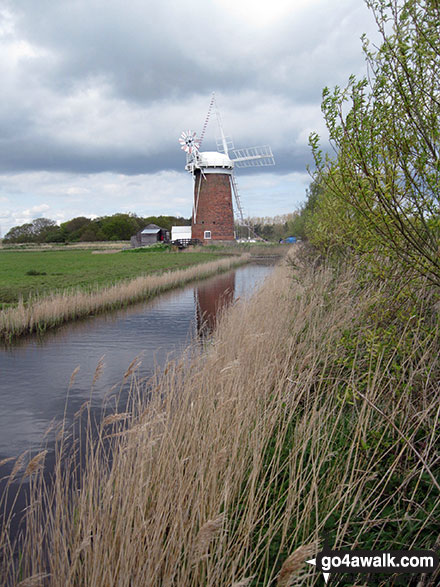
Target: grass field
24 273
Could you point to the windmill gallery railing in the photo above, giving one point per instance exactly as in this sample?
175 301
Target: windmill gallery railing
183 243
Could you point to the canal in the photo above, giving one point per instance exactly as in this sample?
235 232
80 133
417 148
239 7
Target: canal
44 380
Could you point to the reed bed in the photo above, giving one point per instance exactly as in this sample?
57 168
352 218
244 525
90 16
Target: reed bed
38 314
231 467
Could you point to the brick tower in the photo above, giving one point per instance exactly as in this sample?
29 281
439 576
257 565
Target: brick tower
213 216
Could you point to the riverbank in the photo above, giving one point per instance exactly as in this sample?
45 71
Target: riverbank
301 420
39 314
25 273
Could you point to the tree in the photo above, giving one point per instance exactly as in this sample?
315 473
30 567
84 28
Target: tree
73 229
31 232
41 227
387 170
118 227
19 234
299 223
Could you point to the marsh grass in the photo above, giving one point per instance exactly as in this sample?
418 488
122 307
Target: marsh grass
237 463
41 313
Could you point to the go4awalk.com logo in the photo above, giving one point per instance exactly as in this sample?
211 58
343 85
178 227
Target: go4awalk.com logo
375 561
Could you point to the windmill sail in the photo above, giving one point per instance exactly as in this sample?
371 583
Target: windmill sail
221 141
253 157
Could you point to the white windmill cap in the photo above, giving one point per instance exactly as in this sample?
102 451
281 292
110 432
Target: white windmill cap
214 159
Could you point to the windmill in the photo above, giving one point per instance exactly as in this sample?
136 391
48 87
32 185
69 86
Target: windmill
215 182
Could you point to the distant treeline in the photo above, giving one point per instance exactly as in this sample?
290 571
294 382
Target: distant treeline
274 228
81 229
123 226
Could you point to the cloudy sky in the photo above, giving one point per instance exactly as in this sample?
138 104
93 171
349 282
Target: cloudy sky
94 96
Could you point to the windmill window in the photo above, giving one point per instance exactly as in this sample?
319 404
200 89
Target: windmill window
207 234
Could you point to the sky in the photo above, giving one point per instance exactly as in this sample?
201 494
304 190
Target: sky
95 94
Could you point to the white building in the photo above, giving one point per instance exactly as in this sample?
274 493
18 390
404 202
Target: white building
180 232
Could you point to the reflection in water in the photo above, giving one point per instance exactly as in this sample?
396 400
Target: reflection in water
210 298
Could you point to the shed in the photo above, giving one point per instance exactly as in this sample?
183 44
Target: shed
180 232
150 235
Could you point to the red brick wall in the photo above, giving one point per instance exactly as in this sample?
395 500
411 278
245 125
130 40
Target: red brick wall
214 207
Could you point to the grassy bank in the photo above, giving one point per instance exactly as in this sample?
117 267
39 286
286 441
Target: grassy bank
25 273
300 420
96 246
258 249
40 313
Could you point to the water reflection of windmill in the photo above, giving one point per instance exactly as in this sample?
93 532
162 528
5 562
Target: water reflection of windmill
215 182
211 297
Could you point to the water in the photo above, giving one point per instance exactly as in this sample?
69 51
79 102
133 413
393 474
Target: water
35 373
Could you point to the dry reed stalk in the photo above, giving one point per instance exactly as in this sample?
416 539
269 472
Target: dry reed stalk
294 563
207 533
112 418
263 425
73 376
17 466
99 370
35 581
6 460
35 464
244 582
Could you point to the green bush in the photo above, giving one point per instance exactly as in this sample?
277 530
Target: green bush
35 272
380 193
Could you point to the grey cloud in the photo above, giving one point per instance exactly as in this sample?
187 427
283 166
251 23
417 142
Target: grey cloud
167 53
21 156
146 51
153 51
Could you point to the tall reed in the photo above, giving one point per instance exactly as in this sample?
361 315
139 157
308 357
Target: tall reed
232 466
41 313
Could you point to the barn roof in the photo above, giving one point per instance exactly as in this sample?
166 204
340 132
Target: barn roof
151 229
